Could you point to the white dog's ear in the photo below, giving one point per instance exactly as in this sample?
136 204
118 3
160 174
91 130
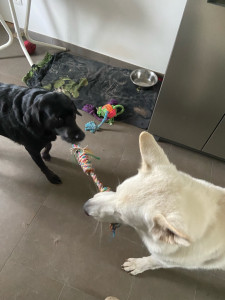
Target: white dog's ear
151 153
162 230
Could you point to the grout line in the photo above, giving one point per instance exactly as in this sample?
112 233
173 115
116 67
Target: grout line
78 290
7 259
39 273
61 291
195 292
131 288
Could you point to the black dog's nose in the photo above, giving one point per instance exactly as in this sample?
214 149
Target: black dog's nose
80 136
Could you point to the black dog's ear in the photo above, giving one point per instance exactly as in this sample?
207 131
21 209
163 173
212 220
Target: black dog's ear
74 103
32 115
26 117
78 113
4 107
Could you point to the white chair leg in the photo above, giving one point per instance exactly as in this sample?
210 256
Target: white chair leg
9 34
27 34
18 33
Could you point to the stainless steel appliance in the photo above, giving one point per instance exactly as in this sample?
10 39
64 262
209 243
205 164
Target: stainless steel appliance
190 107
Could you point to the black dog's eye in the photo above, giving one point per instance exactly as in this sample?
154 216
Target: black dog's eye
60 119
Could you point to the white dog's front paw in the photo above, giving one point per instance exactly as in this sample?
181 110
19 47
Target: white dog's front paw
135 266
138 265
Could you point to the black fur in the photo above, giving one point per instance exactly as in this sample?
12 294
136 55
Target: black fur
33 117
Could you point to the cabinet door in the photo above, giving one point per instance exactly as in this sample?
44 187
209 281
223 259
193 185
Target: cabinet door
216 143
191 101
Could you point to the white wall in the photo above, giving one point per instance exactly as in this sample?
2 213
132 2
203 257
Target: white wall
140 32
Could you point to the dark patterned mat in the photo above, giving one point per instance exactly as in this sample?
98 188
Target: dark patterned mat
92 82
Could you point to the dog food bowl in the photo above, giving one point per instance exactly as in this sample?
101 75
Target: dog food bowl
143 78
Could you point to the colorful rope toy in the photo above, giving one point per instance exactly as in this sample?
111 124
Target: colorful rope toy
111 111
108 112
82 157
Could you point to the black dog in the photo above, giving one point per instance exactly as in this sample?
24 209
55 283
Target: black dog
33 117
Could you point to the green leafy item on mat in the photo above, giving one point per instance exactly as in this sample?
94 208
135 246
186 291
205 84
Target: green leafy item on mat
67 86
37 67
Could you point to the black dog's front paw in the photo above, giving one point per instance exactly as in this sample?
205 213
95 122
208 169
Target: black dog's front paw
53 178
46 156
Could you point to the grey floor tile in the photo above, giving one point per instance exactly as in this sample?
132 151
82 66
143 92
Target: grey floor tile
209 287
218 274
67 248
163 285
125 169
218 172
16 214
167 147
69 293
191 162
21 283
18 205
18 171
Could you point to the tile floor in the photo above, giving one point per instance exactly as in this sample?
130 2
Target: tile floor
49 249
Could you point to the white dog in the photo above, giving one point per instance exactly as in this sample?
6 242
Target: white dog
180 219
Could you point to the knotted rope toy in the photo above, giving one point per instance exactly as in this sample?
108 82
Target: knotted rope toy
108 112
92 110
92 127
82 156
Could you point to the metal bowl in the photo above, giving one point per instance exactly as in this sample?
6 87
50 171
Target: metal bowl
143 77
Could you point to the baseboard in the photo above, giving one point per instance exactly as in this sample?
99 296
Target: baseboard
86 52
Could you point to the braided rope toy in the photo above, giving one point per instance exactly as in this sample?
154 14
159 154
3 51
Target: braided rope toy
82 157
108 112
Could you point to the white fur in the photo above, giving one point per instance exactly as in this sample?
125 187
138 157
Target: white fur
180 219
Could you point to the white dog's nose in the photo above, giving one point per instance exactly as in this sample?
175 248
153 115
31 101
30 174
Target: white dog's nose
85 208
